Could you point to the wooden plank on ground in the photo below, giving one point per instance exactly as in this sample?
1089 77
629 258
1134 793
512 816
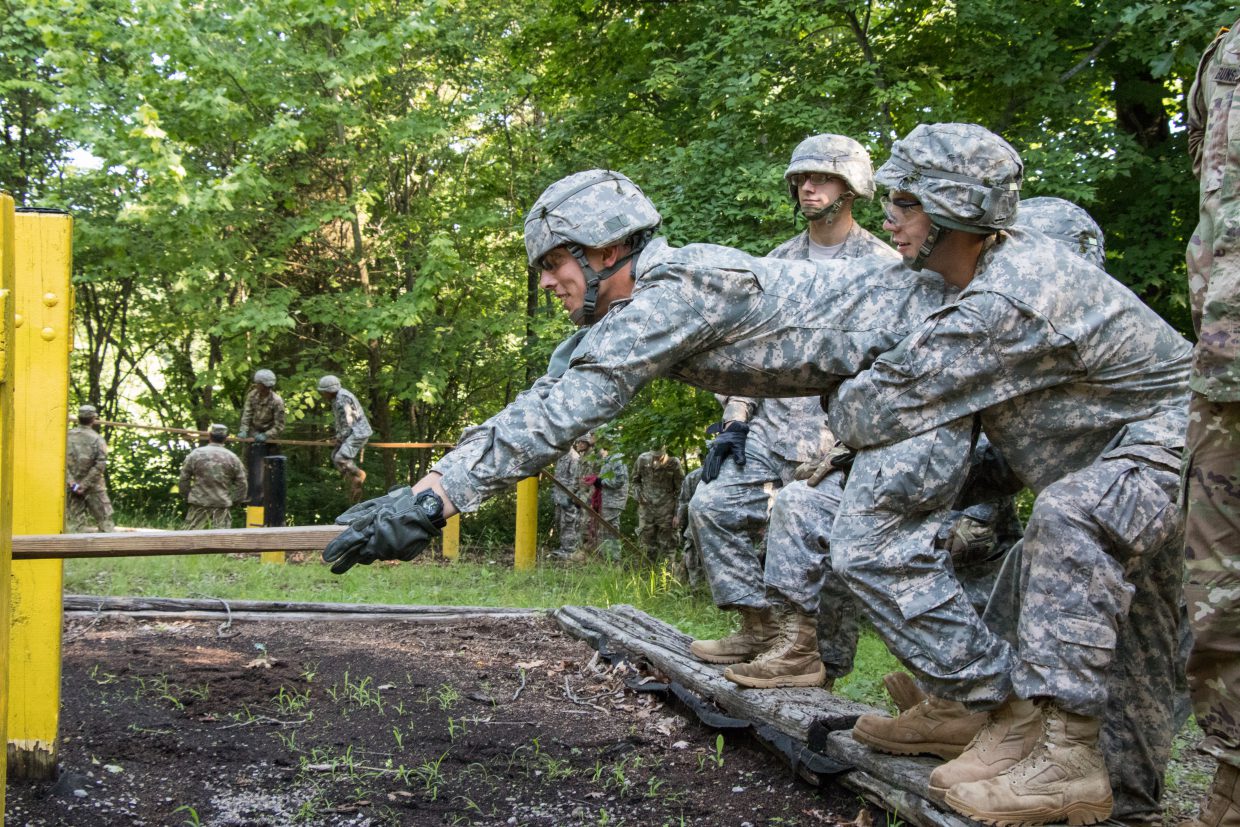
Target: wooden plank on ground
153 543
219 609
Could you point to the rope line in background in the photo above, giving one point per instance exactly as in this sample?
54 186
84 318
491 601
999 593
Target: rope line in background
279 441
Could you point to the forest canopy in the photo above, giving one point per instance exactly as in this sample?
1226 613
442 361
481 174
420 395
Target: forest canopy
337 186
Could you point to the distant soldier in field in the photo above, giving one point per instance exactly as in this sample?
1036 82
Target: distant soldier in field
86 459
605 478
212 481
689 567
352 431
262 417
568 515
656 486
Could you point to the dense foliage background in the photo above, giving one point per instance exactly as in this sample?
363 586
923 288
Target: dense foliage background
338 185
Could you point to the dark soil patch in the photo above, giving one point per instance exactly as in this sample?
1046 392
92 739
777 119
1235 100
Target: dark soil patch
493 721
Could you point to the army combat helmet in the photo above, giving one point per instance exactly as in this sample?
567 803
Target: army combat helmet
594 208
262 376
329 384
966 177
1064 222
836 155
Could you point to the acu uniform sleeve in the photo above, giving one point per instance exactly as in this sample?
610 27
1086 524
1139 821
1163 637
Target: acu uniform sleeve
183 484
240 484
99 463
277 419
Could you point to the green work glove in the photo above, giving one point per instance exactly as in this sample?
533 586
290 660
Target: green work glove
391 527
260 438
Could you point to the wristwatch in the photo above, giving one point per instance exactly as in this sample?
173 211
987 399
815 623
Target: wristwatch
432 506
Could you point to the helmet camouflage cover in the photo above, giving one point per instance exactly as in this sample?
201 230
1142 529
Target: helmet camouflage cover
966 177
329 384
1064 222
264 377
87 411
594 208
836 155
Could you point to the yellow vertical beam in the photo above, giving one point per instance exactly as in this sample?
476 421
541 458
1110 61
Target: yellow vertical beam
527 524
42 246
452 538
254 517
6 460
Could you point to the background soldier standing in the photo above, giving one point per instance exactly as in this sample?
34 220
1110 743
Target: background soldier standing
690 565
262 417
605 479
352 431
86 459
656 485
212 481
567 512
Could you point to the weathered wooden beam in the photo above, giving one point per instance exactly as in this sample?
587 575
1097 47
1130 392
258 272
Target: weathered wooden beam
101 603
156 543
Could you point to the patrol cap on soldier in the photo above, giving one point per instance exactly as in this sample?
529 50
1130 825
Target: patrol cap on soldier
836 155
218 430
966 177
1066 223
329 384
595 208
87 413
263 376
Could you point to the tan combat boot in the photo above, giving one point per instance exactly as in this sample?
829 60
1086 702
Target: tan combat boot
1008 736
1222 805
793 660
903 690
932 727
1064 779
756 635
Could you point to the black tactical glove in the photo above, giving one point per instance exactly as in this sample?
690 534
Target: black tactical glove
730 442
392 527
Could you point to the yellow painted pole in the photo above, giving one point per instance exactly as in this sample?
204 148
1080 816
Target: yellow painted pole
527 524
42 246
254 517
452 538
6 460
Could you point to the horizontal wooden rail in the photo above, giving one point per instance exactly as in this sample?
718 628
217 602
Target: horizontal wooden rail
161 543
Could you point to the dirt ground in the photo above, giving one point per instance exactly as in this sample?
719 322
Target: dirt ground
491 721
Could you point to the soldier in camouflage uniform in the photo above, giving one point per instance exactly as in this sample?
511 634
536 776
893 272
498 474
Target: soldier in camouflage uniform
605 485
689 568
212 481
1212 472
262 417
86 459
767 439
568 515
1080 387
656 485
352 432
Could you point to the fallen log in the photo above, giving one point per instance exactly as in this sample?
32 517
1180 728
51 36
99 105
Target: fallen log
169 608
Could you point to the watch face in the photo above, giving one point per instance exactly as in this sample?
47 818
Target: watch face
430 504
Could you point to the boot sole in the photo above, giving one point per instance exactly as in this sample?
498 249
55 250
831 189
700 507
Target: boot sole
1077 814
780 682
722 658
945 751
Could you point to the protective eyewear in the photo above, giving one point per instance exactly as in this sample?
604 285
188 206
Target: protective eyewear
899 210
798 179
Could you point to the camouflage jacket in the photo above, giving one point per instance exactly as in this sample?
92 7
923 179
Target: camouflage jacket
1062 361
687 489
656 483
568 472
350 419
1214 248
795 428
86 458
712 317
613 476
212 476
262 414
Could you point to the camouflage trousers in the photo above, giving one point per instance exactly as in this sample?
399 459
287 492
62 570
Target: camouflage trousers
654 528
567 522
595 537
728 518
691 559
1212 549
206 516
345 457
93 503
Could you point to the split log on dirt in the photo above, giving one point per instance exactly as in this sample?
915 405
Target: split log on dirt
791 711
154 543
217 609
814 717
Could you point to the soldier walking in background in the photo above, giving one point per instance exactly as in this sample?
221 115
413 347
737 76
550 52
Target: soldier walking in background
1212 528
86 459
262 417
352 431
212 481
689 567
605 479
568 515
656 485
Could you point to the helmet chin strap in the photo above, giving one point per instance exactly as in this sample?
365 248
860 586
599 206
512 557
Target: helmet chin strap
830 212
927 247
585 315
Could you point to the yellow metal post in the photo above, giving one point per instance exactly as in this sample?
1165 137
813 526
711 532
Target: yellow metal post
527 524
6 459
254 517
452 538
42 246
